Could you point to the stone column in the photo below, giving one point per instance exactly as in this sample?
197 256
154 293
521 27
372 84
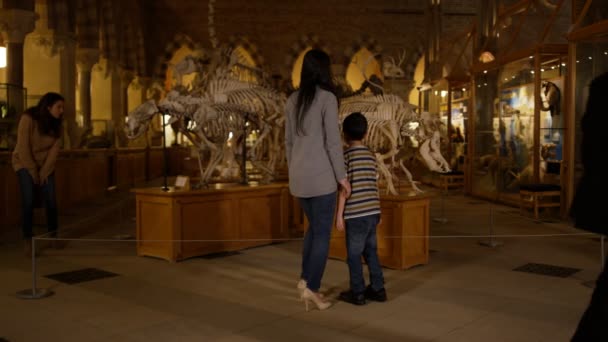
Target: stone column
432 69
144 83
120 104
126 77
15 24
85 59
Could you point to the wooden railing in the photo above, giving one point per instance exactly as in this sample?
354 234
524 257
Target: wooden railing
84 174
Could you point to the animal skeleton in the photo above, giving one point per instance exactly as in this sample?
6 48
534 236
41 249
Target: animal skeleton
390 121
219 107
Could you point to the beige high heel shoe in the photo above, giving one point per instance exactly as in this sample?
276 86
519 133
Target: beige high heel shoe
308 296
301 287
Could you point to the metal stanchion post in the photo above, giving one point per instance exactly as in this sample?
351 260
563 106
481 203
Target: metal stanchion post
442 218
491 242
34 293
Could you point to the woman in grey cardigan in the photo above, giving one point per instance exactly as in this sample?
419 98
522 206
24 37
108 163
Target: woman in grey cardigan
316 166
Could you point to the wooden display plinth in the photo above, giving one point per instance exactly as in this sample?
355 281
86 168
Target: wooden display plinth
173 225
402 234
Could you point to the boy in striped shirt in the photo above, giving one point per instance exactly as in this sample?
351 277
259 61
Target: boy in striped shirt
360 214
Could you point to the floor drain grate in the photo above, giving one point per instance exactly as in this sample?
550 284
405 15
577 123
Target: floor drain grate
548 270
81 276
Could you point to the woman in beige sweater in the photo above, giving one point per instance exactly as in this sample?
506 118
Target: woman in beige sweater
38 143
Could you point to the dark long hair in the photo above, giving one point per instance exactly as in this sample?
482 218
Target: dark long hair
47 123
316 71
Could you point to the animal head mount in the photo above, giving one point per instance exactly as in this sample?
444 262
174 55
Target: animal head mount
551 98
392 69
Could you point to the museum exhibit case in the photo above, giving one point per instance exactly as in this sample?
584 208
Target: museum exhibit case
402 234
449 99
519 126
458 110
588 56
518 123
178 224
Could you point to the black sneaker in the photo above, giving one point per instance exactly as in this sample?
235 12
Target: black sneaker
378 296
350 297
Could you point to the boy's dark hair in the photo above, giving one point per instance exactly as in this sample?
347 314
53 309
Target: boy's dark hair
354 126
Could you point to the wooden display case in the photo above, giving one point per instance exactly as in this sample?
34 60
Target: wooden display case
176 225
402 234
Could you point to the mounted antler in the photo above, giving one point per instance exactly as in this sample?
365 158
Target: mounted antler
392 69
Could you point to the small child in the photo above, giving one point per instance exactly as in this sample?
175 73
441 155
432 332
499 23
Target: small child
360 214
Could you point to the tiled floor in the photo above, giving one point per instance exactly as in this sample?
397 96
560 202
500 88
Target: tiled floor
467 292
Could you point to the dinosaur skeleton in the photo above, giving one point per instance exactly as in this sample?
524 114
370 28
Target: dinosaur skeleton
390 121
218 108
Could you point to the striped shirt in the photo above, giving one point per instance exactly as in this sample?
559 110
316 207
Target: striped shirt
362 174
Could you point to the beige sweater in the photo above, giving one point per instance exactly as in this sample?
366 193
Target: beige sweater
316 159
34 151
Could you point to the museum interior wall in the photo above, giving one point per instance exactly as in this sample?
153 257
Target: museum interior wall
107 57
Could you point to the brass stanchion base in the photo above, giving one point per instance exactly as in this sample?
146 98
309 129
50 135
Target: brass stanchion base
31 294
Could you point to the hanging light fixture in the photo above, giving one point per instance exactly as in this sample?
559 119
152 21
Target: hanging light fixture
486 57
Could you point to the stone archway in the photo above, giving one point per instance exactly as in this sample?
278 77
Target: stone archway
293 62
178 42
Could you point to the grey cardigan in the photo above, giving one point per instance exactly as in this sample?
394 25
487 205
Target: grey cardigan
315 158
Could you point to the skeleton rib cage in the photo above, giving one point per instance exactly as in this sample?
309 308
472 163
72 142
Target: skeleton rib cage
216 107
390 122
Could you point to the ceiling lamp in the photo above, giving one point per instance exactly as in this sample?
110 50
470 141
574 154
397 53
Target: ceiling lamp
486 57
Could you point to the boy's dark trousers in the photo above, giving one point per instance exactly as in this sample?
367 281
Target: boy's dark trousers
361 241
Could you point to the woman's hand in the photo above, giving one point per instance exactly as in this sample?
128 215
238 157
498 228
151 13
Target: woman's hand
345 187
340 224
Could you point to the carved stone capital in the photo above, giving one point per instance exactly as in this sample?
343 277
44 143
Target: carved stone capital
155 90
126 77
86 58
142 83
50 43
15 24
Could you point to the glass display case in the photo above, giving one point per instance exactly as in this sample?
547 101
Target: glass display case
12 104
518 126
458 99
589 59
449 101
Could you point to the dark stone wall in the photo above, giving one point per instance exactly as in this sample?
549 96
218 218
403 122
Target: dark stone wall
276 28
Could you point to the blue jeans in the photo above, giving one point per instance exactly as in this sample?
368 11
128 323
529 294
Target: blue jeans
26 184
361 240
320 212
